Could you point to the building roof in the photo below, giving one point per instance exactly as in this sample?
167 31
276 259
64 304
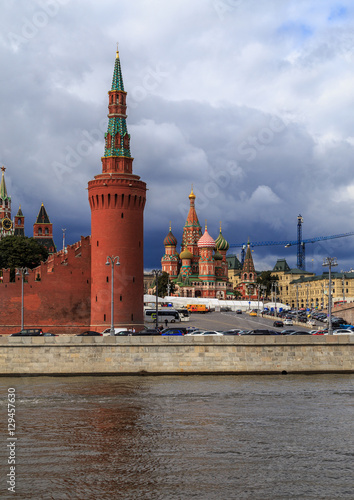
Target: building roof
221 243
42 217
281 266
117 81
206 241
170 240
233 262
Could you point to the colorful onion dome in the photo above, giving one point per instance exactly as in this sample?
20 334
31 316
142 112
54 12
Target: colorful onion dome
217 255
221 243
206 241
170 240
186 254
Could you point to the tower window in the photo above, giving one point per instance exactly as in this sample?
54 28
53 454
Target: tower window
121 298
40 230
122 215
104 317
107 280
98 243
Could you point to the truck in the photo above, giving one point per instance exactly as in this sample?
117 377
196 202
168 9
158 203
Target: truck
197 308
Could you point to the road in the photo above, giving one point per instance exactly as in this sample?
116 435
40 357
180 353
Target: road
228 320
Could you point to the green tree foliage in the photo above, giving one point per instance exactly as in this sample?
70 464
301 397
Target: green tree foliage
266 279
163 284
19 251
237 293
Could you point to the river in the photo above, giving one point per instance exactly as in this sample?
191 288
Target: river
181 437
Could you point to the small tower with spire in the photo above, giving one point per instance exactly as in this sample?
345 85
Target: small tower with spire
222 247
19 223
192 233
169 262
117 200
248 275
6 224
43 230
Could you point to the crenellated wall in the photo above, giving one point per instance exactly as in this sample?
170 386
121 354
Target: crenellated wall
56 294
70 355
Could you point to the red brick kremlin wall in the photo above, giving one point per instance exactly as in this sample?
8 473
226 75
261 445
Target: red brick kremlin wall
59 302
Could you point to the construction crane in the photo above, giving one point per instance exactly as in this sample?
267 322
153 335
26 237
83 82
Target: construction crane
300 243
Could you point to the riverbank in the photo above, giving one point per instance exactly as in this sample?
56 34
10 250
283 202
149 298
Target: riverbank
71 355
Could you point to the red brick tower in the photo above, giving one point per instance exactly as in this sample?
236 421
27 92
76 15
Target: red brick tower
117 200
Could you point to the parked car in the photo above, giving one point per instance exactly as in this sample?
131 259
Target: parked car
262 332
205 332
90 333
107 331
278 324
300 333
174 331
287 332
288 322
146 331
232 332
343 331
28 332
47 334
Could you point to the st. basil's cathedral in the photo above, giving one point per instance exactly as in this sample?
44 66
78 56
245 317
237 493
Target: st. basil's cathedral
200 269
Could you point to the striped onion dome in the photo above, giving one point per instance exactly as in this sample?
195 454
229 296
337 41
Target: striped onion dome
221 243
186 254
206 241
170 240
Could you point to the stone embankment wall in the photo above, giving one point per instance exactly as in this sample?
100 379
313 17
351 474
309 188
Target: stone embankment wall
70 355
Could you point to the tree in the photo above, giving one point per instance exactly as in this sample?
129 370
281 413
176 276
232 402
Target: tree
163 281
20 251
266 279
237 293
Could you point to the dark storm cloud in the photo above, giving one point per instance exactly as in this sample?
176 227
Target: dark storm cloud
248 101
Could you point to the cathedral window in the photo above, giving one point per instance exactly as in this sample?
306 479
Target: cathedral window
39 231
46 231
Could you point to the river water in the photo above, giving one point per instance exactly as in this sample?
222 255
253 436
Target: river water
190 437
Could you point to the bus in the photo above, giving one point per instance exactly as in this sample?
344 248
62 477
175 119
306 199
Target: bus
183 313
168 313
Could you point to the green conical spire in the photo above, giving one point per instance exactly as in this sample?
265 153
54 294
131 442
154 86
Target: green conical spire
117 138
117 82
3 190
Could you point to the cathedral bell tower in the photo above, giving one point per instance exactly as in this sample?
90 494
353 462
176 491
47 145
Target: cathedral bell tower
117 199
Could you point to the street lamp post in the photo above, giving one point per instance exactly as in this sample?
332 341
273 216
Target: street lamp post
110 262
330 262
157 273
23 271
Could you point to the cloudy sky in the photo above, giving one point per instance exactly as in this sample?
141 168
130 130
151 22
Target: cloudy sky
249 101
